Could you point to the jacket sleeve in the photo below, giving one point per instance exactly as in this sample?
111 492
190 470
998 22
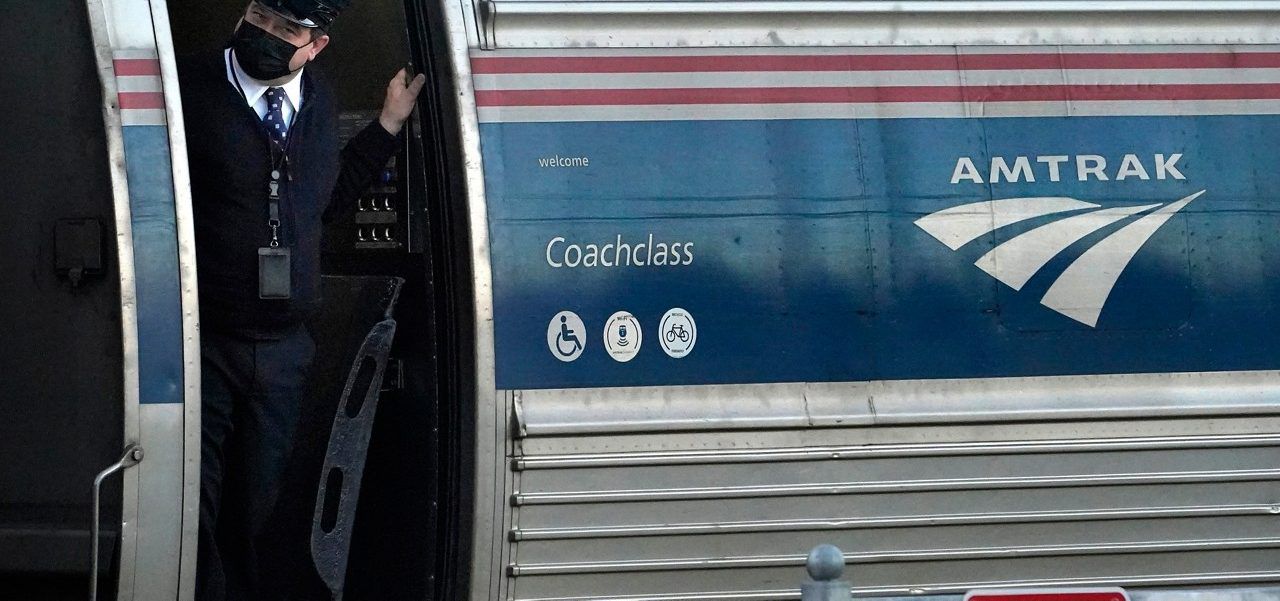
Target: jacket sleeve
362 160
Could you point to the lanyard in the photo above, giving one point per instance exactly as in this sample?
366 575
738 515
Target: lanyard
273 207
273 187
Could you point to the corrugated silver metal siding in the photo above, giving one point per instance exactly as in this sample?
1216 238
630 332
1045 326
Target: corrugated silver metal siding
914 517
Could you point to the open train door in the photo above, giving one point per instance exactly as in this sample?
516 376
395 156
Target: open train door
96 318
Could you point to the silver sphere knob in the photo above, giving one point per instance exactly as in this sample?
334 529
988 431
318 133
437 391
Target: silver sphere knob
825 563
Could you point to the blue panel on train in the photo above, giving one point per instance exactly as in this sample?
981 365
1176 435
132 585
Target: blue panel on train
822 250
155 243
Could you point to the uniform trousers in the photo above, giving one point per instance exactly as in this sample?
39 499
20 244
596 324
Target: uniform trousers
252 386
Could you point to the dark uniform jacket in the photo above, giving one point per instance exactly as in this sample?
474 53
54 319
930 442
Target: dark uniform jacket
230 158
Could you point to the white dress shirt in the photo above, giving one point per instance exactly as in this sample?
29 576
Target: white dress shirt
254 90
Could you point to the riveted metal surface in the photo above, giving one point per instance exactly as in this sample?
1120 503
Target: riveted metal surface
602 23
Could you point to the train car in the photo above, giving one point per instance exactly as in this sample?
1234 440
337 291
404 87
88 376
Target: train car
100 360
982 292
101 357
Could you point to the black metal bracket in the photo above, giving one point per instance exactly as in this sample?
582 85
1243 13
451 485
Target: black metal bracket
77 249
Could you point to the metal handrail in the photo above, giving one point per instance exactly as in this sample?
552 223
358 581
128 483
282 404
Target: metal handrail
132 456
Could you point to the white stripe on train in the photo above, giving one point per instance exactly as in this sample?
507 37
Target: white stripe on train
623 81
952 110
863 50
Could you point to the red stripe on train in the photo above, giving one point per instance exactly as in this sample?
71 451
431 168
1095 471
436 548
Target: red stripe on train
131 67
141 100
1083 596
885 94
873 62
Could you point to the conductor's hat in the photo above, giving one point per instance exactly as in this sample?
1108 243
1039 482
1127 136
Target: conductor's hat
308 13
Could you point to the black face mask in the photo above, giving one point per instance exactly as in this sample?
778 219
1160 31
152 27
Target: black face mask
262 56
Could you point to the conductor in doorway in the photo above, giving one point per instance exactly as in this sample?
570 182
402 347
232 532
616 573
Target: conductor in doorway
266 171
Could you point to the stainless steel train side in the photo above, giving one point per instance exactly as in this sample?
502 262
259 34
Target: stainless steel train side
1165 483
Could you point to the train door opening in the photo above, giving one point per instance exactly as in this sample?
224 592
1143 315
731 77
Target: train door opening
61 358
405 231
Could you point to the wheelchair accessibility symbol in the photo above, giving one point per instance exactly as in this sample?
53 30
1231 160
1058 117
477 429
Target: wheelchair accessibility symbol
566 336
678 333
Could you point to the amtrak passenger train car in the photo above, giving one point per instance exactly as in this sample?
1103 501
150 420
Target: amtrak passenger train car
983 292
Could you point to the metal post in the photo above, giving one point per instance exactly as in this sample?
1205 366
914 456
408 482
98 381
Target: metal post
825 565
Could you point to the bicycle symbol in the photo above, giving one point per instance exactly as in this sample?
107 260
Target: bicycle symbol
677 331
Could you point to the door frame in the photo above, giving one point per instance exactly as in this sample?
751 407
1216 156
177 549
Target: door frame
158 297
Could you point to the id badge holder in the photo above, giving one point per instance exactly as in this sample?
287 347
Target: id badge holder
274 262
273 273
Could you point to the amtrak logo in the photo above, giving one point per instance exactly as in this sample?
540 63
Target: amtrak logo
1081 291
